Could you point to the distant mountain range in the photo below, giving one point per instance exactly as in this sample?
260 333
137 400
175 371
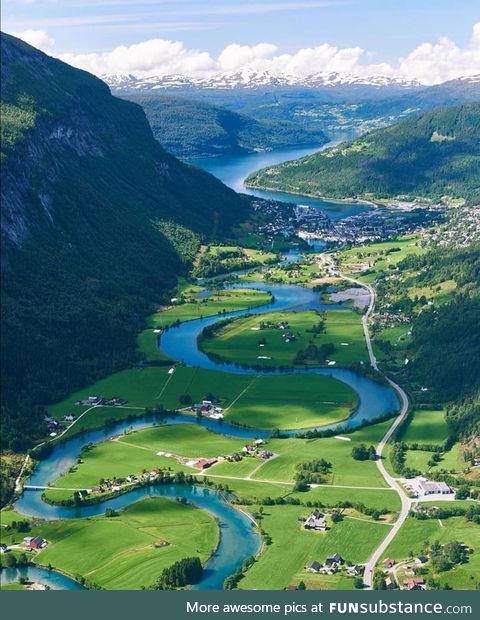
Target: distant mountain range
257 79
432 156
189 128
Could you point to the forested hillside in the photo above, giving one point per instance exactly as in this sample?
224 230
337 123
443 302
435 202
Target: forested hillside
446 338
189 128
97 221
431 156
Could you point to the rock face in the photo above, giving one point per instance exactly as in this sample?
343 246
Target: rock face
97 220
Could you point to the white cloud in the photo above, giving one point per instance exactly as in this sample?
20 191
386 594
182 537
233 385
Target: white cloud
37 38
433 63
429 63
153 57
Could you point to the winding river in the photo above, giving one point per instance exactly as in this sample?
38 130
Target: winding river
180 343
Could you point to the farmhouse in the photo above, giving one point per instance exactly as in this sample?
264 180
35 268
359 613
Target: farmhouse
316 521
355 571
313 567
420 487
390 583
414 583
388 563
205 463
334 560
37 543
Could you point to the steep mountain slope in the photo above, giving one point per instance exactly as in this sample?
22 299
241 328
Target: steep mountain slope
434 155
97 220
189 128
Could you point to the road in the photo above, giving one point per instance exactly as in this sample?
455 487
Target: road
392 482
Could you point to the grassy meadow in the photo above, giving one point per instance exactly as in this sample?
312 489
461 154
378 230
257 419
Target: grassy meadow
244 340
282 563
131 550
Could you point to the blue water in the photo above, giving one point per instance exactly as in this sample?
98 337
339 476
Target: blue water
233 169
36 574
235 526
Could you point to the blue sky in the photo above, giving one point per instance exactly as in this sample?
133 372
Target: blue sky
384 29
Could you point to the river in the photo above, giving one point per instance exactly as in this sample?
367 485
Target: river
180 343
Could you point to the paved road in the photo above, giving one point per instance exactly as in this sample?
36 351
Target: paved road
392 482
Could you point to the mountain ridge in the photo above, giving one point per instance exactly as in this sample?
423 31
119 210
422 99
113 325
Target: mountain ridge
97 222
432 156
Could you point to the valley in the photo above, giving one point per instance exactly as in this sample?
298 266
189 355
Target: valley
263 365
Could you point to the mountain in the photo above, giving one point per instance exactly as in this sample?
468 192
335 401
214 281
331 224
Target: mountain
431 156
189 128
97 221
257 79
331 85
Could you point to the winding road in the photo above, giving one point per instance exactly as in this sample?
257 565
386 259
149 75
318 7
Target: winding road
392 482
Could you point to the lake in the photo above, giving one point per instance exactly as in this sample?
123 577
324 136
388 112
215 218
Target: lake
234 169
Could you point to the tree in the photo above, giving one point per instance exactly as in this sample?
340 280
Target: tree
379 582
11 560
302 586
185 399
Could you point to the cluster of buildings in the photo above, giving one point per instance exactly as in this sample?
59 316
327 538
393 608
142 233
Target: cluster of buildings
116 484
95 401
332 564
208 409
254 449
410 580
422 487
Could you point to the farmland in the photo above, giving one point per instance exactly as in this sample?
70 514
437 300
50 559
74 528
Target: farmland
131 549
283 562
275 340
264 402
199 305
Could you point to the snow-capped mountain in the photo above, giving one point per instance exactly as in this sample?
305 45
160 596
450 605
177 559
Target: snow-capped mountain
255 79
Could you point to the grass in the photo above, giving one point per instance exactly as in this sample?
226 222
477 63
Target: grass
185 440
345 470
122 552
269 401
427 426
219 302
239 341
274 402
147 343
282 563
382 256
415 533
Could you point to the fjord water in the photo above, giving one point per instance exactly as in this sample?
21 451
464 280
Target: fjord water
233 170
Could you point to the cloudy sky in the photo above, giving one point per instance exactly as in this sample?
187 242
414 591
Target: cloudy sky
427 40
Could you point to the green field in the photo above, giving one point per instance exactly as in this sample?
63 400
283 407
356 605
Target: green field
274 402
282 563
246 339
426 426
119 553
147 343
381 256
267 402
219 302
415 533
250 479
345 470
